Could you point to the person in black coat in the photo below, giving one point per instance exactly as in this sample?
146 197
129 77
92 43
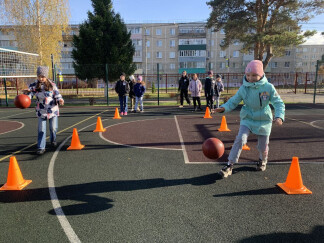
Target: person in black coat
183 88
209 90
122 89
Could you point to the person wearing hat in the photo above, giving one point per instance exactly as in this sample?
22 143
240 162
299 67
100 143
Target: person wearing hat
219 88
47 99
122 89
256 115
209 90
139 90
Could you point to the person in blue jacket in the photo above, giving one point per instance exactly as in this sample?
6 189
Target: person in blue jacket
139 90
256 115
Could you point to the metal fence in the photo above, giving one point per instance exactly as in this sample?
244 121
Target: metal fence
168 83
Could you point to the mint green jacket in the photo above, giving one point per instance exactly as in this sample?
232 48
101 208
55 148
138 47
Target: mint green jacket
256 113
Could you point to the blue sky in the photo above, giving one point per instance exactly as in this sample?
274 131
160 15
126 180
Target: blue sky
146 11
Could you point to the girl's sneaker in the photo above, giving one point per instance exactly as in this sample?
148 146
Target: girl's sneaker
261 165
121 113
226 171
125 113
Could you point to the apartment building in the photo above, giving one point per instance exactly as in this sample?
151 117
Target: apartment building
174 47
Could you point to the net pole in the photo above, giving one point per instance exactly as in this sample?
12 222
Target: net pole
6 94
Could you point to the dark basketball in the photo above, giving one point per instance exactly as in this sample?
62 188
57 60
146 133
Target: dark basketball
22 101
213 148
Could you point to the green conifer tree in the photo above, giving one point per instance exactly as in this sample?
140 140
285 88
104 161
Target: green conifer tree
103 39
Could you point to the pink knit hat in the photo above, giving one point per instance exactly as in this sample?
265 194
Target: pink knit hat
139 78
255 66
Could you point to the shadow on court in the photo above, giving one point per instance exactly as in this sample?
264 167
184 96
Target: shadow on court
94 203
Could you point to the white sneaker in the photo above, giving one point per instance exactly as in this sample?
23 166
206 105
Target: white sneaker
226 171
261 165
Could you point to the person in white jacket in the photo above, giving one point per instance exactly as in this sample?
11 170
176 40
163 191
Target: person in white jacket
195 88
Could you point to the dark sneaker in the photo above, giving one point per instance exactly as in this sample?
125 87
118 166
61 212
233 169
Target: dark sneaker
226 171
261 165
54 144
40 151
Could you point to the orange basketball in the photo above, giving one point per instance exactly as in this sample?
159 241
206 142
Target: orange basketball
213 148
22 101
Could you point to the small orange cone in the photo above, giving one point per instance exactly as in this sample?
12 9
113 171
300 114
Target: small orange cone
294 182
117 116
207 113
99 127
245 147
223 126
75 142
15 180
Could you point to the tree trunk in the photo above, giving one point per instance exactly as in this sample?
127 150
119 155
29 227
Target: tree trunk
268 57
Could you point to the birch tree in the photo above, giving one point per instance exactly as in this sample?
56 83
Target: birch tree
38 25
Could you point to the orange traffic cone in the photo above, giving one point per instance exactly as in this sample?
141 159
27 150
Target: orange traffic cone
207 113
294 182
75 142
99 127
245 147
15 180
223 126
117 116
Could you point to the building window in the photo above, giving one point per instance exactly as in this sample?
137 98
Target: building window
159 54
158 32
222 54
148 55
236 53
172 54
137 54
159 43
287 53
222 65
148 43
274 65
147 32
172 31
287 64
138 66
172 43
172 66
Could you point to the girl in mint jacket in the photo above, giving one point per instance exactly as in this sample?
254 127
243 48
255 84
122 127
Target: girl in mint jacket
256 115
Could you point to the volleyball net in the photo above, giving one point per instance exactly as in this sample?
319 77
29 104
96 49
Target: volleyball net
17 64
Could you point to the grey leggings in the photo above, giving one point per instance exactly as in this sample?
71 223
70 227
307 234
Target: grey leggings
241 139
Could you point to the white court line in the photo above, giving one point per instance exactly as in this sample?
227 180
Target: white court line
22 125
185 155
16 114
308 123
72 236
132 146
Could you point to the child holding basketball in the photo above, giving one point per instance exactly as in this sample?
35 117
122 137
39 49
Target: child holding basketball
47 99
256 116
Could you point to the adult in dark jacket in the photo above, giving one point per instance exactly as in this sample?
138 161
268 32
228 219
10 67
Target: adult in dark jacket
183 88
209 89
122 89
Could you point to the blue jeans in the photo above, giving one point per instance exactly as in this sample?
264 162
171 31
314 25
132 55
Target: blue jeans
139 99
123 103
241 139
53 124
